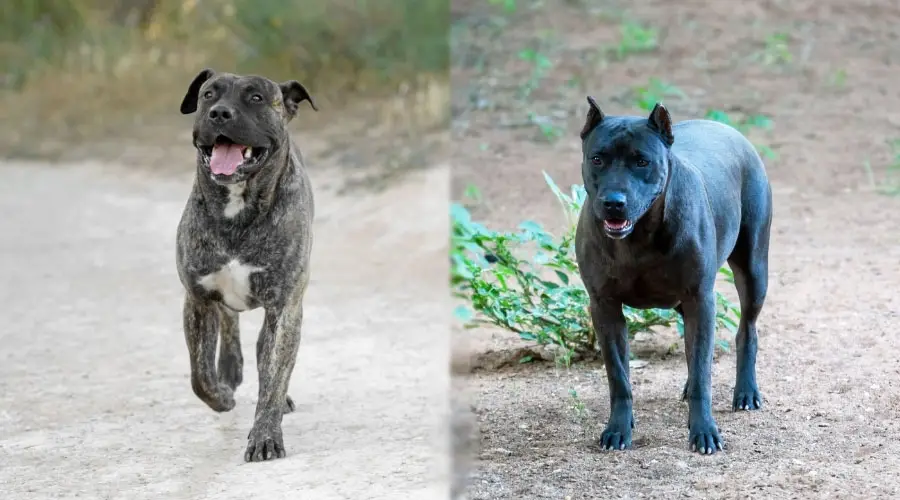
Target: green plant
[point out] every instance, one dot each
(549, 130)
(838, 79)
(541, 298)
(656, 90)
(777, 50)
(509, 6)
(578, 406)
(635, 39)
(472, 194)
(744, 126)
(893, 180)
(540, 65)
(890, 184)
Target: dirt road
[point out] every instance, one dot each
(95, 400)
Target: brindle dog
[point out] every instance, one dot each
(244, 242)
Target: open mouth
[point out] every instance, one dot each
(225, 156)
(617, 227)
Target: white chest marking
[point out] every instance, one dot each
(232, 281)
(235, 199)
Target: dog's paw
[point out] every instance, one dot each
(746, 397)
(225, 399)
(264, 443)
(617, 435)
(220, 398)
(289, 405)
(231, 371)
(703, 436)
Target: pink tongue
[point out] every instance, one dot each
(226, 158)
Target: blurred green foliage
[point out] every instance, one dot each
(379, 42)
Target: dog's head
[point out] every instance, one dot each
(241, 121)
(625, 165)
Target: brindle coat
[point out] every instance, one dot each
(244, 242)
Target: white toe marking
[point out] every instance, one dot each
(236, 201)
(232, 281)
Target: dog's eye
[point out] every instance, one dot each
(208, 94)
(596, 160)
(642, 162)
(256, 98)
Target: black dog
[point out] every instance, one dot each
(666, 207)
(244, 242)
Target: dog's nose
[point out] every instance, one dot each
(614, 201)
(221, 114)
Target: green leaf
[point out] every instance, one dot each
(459, 213)
(531, 226)
(723, 344)
(463, 313)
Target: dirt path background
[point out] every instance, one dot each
(95, 400)
(829, 363)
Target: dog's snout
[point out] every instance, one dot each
(221, 113)
(614, 202)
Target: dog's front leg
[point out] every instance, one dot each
(612, 335)
(231, 360)
(699, 331)
(201, 325)
(276, 353)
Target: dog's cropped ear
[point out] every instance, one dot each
(661, 122)
(294, 93)
(189, 103)
(594, 117)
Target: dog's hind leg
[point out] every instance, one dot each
(231, 359)
(749, 261)
(201, 324)
(276, 352)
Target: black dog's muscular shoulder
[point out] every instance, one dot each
(667, 205)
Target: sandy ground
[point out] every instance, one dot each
(829, 366)
(95, 400)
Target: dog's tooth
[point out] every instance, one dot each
(248, 153)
